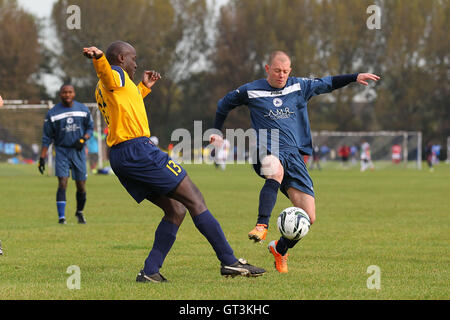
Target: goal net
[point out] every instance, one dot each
(21, 127)
(387, 148)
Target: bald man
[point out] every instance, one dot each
(278, 105)
(148, 173)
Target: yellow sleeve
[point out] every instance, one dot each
(143, 90)
(109, 78)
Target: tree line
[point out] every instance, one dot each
(203, 51)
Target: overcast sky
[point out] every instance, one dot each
(41, 8)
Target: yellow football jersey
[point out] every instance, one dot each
(121, 103)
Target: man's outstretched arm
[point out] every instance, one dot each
(102, 67)
(313, 87)
(362, 78)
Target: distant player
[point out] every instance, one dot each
(366, 157)
(279, 102)
(68, 126)
(315, 158)
(221, 155)
(92, 152)
(429, 155)
(353, 154)
(396, 151)
(344, 153)
(146, 172)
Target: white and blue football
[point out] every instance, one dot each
(293, 223)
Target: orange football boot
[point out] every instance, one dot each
(258, 233)
(280, 261)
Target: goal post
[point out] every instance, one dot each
(448, 151)
(381, 144)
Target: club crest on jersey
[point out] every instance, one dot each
(277, 102)
(69, 120)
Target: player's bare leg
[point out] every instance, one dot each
(174, 211)
(190, 196)
(303, 201)
(62, 182)
(272, 169)
(81, 185)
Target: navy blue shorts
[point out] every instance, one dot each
(296, 173)
(70, 160)
(144, 170)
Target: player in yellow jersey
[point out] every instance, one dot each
(144, 170)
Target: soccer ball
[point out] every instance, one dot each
(293, 223)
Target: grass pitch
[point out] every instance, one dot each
(395, 219)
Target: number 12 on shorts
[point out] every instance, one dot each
(172, 166)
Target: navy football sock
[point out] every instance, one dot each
(211, 229)
(61, 203)
(165, 236)
(283, 245)
(81, 201)
(267, 200)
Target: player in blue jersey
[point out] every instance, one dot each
(68, 125)
(278, 104)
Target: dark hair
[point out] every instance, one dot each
(66, 85)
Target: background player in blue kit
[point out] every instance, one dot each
(68, 126)
(279, 103)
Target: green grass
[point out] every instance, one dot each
(397, 219)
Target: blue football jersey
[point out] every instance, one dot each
(64, 126)
(281, 112)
